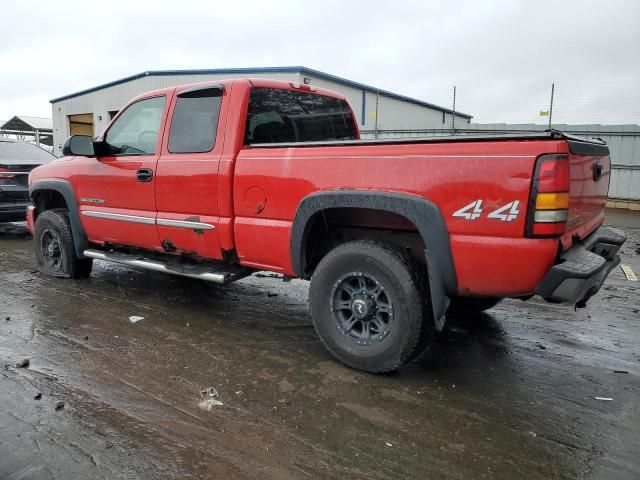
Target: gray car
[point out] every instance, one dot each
(17, 159)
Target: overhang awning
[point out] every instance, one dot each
(41, 129)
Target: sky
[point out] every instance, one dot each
(502, 56)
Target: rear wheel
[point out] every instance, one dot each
(54, 247)
(368, 305)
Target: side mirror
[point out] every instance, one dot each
(81, 145)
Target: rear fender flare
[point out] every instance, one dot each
(65, 189)
(424, 214)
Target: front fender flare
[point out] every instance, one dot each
(424, 214)
(65, 189)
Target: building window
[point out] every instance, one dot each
(443, 117)
(195, 121)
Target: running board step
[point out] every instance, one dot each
(201, 272)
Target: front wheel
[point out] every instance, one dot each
(54, 248)
(368, 305)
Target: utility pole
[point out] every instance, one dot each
(553, 86)
(453, 116)
(377, 101)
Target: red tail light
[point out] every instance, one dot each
(4, 173)
(549, 202)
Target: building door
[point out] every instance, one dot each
(81, 124)
(117, 189)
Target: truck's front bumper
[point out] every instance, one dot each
(13, 212)
(14, 200)
(583, 268)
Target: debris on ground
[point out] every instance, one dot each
(620, 371)
(24, 363)
(8, 318)
(59, 405)
(135, 318)
(210, 399)
(629, 273)
(388, 444)
(268, 275)
(210, 392)
(604, 399)
(37, 396)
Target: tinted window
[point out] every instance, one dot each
(135, 132)
(195, 121)
(276, 116)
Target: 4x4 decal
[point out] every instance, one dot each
(474, 210)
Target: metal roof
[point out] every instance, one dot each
(259, 70)
(24, 123)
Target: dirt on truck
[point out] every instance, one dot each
(219, 180)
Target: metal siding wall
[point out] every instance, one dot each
(393, 113)
(114, 98)
(397, 114)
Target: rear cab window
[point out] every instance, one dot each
(285, 116)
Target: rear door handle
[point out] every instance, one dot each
(144, 175)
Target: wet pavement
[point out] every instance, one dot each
(509, 394)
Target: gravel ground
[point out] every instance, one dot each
(509, 394)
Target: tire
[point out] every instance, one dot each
(54, 247)
(384, 327)
(472, 305)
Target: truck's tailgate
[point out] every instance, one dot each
(590, 171)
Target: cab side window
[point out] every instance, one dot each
(195, 121)
(284, 116)
(135, 131)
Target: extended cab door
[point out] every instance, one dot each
(117, 189)
(187, 173)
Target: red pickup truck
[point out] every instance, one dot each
(219, 180)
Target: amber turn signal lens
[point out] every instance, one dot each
(552, 201)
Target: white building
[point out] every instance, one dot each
(88, 112)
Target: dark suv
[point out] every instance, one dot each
(17, 159)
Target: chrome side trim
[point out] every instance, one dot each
(118, 216)
(165, 222)
(155, 266)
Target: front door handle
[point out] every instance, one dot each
(144, 175)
